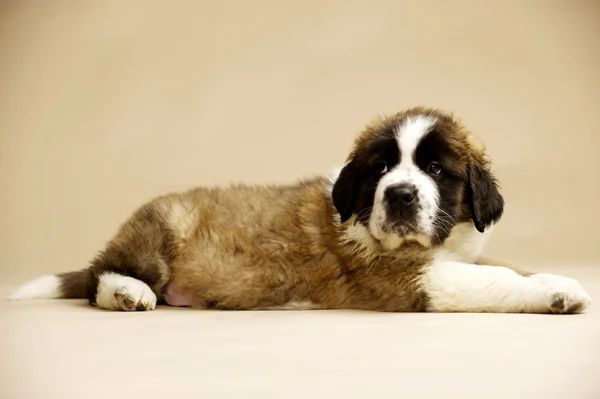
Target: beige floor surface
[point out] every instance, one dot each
(64, 349)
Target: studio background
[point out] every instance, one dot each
(106, 104)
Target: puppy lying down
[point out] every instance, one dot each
(400, 228)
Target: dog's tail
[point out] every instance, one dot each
(68, 285)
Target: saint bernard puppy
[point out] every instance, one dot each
(400, 228)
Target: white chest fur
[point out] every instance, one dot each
(465, 243)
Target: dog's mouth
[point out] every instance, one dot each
(403, 229)
(398, 233)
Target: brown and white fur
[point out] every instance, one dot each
(399, 228)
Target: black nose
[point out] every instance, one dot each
(403, 193)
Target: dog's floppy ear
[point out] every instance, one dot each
(345, 190)
(487, 204)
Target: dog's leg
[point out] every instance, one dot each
(131, 273)
(484, 261)
(462, 287)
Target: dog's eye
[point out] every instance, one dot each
(434, 168)
(380, 167)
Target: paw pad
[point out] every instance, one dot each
(129, 301)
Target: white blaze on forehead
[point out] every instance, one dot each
(409, 135)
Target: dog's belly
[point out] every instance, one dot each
(175, 297)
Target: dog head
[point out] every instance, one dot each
(414, 176)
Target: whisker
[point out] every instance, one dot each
(364, 212)
(444, 213)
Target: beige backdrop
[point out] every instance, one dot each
(105, 104)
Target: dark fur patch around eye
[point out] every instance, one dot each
(434, 147)
(354, 191)
(384, 149)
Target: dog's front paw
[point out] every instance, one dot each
(561, 294)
